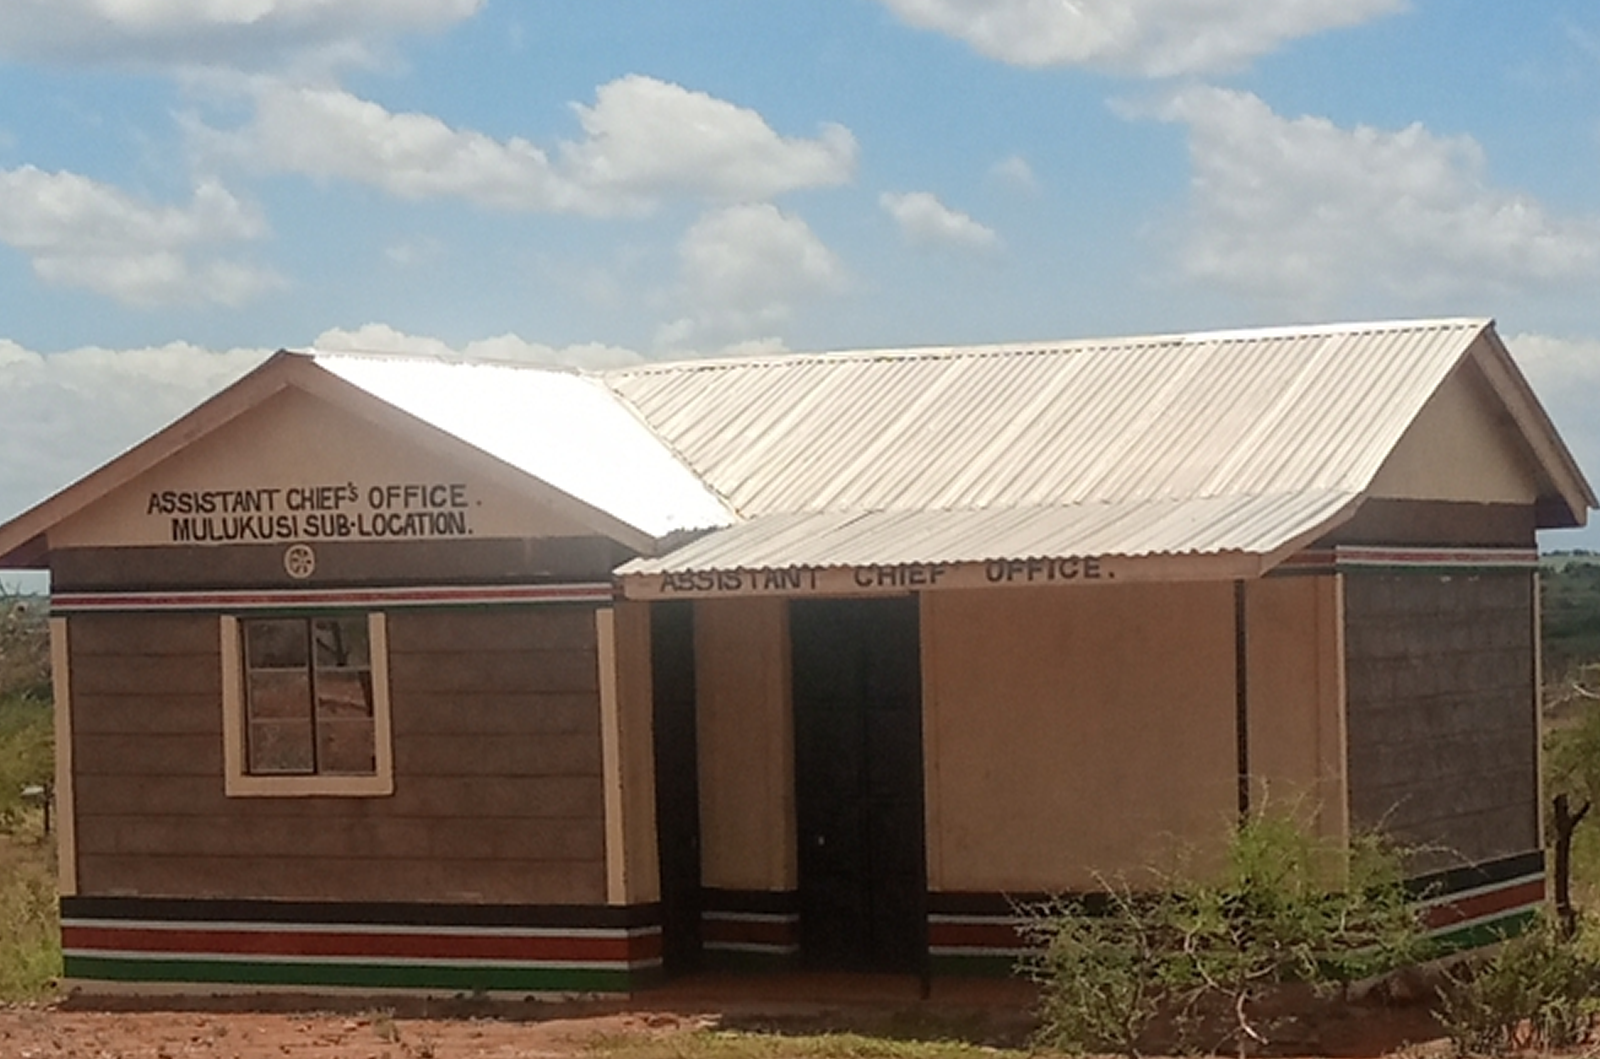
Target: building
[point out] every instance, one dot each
(384, 674)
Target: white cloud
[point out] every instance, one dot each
(1159, 38)
(1015, 172)
(328, 133)
(1304, 210)
(215, 34)
(63, 414)
(926, 222)
(743, 269)
(644, 139)
(81, 233)
(381, 338)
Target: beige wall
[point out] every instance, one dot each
(628, 754)
(1075, 731)
(1460, 448)
(1295, 680)
(295, 441)
(745, 729)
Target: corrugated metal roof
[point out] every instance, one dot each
(1245, 413)
(1249, 525)
(563, 428)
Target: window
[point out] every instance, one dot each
(306, 708)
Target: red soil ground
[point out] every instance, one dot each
(280, 1028)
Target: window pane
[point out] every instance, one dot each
(280, 746)
(343, 693)
(279, 693)
(345, 747)
(275, 644)
(341, 642)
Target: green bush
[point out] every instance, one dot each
(1184, 962)
(1539, 990)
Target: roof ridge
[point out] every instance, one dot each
(1046, 347)
(448, 360)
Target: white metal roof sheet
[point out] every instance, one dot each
(563, 428)
(1251, 525)
(1242, 413)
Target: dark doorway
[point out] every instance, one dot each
(677, 782)
(857, 683)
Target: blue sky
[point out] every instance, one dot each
(186, 185)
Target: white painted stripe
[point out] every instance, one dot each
(752, 946)
(751, 917)
(257, 927)
(976, 950)
(136, 955)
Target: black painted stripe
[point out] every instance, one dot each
(1472, 876)
(758, 902)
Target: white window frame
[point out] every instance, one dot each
(238, 782)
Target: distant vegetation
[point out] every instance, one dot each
(30, 952)
(1570, 591)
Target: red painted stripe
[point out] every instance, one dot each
(974, 935)
(1430, 556)
(418, 946)
(476, 594)
(1459, 911)
(1319, 558)
(750, 932)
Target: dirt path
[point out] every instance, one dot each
(33, 1033)
(994, 1016)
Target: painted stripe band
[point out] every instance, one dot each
(291, 599)
(359, 928)
(1363, 557)
(358, 960)
(91, 971)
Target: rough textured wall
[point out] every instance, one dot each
(1442, 714)
(498, 795)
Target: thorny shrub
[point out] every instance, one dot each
(1184, 961)
(1540, 990)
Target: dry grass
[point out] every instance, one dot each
(30, 929)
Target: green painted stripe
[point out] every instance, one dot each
(455, 979)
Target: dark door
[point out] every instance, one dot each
(677, 782)
(858, 783)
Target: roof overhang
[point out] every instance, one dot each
(894, 552)
(1569, 496)
(24, 540)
